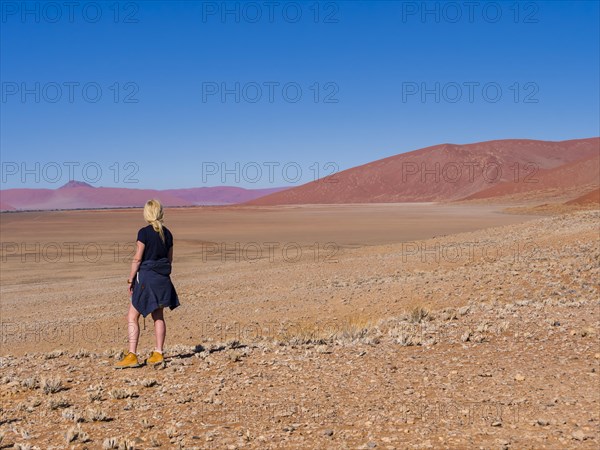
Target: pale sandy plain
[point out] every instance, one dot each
(232, 264)
(360, 339)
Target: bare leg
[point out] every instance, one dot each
(133, 328)
(160, 329)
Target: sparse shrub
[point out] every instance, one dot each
(118, 393)
(406, 334)
(54, 354)
(76, 433)
(110, 443)
(97, 415)
(235, 356)
(52, 385)
(30, 383)
(418, 314)
(185, 399)
(449, 314)
(482, 327)
(23, 447)
(73, 415)
(71, 434)
(95, 392)
(354, 329)
(81, 353)
(149, 382)
(126, 444)
(83, 436)
(114, 353)
(58, 403)
(120, 444)
(233, 343)
(95, 396)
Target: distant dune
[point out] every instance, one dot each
(592, 197)
(6, 207)
(80, 195)
(573, 179)
(450, 172)
(503, 170)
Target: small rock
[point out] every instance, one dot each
(504, 444)
(328, 432)
(519, 377)
(543, 422)
(464, 310)
(496, 424)
(579, 435)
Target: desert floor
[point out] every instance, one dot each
(342, 326)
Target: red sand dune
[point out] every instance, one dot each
(76, 194)
(587, 199)
(443, 172)
(6, 207)
(581, 175)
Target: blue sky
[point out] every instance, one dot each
(183, 90)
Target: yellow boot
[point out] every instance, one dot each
(155, 358)
(129, 360)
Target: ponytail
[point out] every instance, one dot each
(158, 227)
(153, 213)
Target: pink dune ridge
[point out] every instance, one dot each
(592, 197)
(6, 207)
(579, 176)
(450, 172)
(80, 195)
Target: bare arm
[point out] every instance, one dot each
(137, 259)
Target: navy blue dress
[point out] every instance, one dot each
(152, 286)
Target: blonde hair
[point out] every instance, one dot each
(153, 213)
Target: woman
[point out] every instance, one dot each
(150, 285)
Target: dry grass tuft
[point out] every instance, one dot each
(118, 443)
(73, 415)
(54, 354)
(110, 443)
(301, 333)
(23, 447)
(119, 393)
(97, 415)
(81, 353)
(31, 383)
(52, 385)
(62, 402)
(418, 314)
(149, 382)
(357, 329)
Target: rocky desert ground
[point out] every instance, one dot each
(434, 328)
